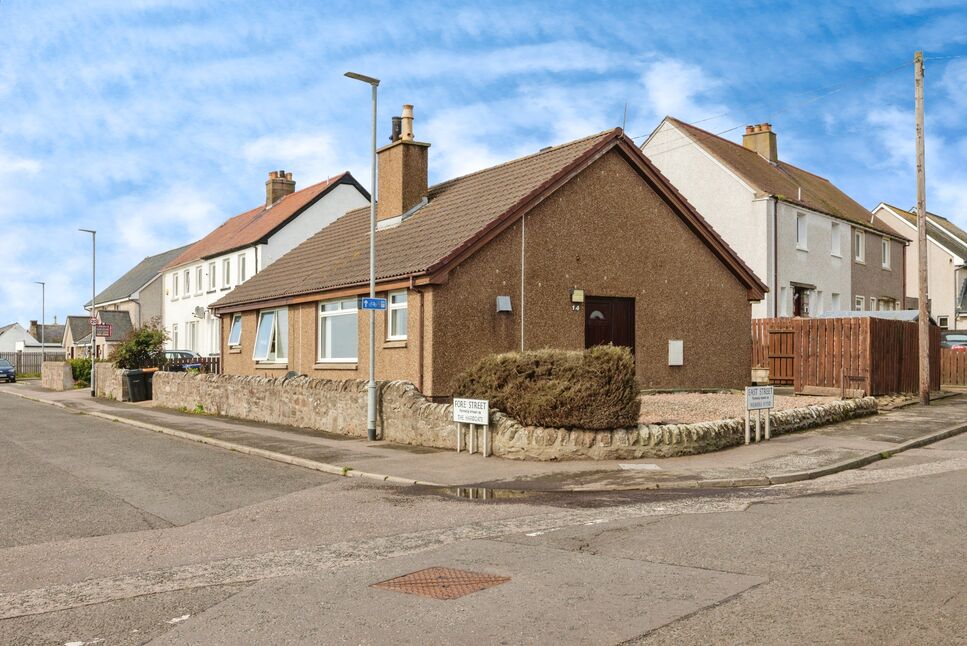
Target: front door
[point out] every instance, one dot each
(609, 320)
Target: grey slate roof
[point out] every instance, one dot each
(79, 326)
(137, 277)
(940, 236)
(120, 322)
(50, 333)
(6, 327)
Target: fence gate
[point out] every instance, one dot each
(782, 356)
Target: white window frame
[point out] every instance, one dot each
(874, 304)
(241, 269)
(191, 335)
(324, 329)
(271, 356)
(802, 232)
(212, 276)
(187, 282)
(226, 273)
(236, 318)
(175, 279)
(836, 240)
(885, 248)
(859, 303)
(174, 332)
(199, 279)
(943, 322)
(395, 307)
(859, 246)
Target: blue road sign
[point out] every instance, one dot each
(372, 303)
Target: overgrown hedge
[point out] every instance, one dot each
(81, 371)
(595, 389)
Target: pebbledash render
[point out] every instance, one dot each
(579, 244)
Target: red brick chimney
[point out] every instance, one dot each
(279, 184)
(402, 169)
(761, 139)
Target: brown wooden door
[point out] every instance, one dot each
(609, 320)
(782, 356)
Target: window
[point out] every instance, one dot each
(211, 276)
(943, 322)
(801, 231)
(836, 240)
(800, 301)
(174, 333)
(858, 303)
(338, 334)
(272, 337)
(834, 301)
(235, 335)
(396, 316)
(885, 246)
(226, 273)
(241, 269)
(174, 285)
(874, 304)
(187, 282)
(783, 304)
(818, 303)
(859, 251)
(191, 336)
(199, 279)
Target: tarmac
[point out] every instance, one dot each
(786, 458)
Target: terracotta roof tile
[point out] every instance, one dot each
(784, 180)
(252, 226)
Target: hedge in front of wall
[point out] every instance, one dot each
(595, 389)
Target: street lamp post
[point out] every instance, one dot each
(43, 319)
(371, 388)
(93, 294)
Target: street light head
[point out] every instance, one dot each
(363, 78)
(39, 282)
(88, 230)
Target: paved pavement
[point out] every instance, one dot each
(269, 553)
(785, 456)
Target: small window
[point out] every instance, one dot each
(874, 304)
(943, 322)
(859, 246)
(235, 334)
(834, 302)
(211, 276)
(174, 334)
(885, 246)
(272, 337)
(836, 240)
(227, 272)
(858, 303)
(199, 279)
(174, 286)
(801, 231)
(396, 317)
(187, 282)
(241, 269)
(338, 332)
(191, 335)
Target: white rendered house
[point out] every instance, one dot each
(241, 247)
(816, 248)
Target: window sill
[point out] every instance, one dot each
(859, 261)
(237, 350)
(266, 365)
(394, 343)
(836, 255)
(798, 248)
(336, 366)
(225, 289)
(887, 268)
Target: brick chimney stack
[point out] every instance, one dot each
(402, 169)
(761, 139)
(279, 184)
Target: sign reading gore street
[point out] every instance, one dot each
(471, 411)
(759, 397)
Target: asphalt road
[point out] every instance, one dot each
(115, 534)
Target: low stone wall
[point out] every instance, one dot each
(56, 375)
(406, 417)
(109, 382)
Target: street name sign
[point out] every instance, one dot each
(103, 329)
(372, 303)
(471, 411)
(759, 397)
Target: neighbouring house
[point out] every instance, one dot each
(244, 245)
(946, 258)
(580, 244)
(49, 336)
(15, 338)
(816, 247)
(140, 291)
(75, 329)
(121, 327)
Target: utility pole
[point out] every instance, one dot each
(43, 321)
(924, 315)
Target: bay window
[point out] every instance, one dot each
(338, 333)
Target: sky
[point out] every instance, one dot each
(152, 121)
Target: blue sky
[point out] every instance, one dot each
(154, 120)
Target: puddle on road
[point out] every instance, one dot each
(486, 493)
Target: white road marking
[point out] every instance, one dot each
(178, 620)
(640, 467)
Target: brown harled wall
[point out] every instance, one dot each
(869, 279)
(609, 233)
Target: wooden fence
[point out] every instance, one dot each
(773, 347)
(203, 364)
(953, 367)
(27, 363)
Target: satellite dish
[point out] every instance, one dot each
(199, 312)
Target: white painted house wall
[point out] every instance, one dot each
(17, 338)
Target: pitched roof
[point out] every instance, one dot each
(120, 321)
(79, 326)
(137, 277)
(261, 222)
(783, 180)
(458, 214)
(957, 245)
(50, 332)
(6, 327)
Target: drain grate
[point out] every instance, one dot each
(442, 583)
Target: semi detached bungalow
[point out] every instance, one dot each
(577, 245)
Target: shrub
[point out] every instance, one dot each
(595, 389)
(143, 347)
(81, 370)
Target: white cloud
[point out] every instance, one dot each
(679, 89)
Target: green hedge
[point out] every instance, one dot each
(595, 389)
(81, 370)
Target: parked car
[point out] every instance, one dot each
(7, 371)
(182, 359)
(955, 342)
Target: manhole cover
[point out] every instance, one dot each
(442, 583)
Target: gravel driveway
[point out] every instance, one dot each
(685, 408)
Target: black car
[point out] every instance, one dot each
(7, 371)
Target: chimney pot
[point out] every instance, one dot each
(761, 139)
(402, 169)
(396, 129)
(279, 184)
(749, 130)
(406, 132)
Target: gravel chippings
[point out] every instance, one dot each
(687, 408)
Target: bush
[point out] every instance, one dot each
(595, 389)
(143, 347)
(81, 370)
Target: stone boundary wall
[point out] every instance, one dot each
(56, 375)
(405, 416)
(109, 382)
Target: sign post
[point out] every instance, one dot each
(473, 413)
(758, 399)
